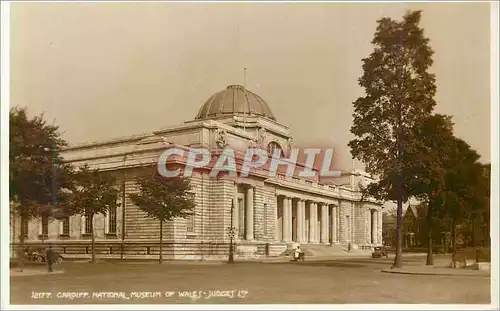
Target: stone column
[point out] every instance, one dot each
(301, 215)
(277, 234)
(287, 219)
(249, 214)
(333, 219)
(374, 226)
(236, 211)
(313, 222)
(324, 223)
(379, 226)
(82, 224)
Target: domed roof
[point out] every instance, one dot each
(232, 101)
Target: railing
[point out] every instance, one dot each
(84, 247)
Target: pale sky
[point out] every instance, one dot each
(107, 70)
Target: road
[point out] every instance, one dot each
(357, 281)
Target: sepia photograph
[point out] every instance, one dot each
(293, 155)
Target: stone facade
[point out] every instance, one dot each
(268, 213)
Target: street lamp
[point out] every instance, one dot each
(231, 232)
(54, 211)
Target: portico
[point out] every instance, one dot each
(306, 221)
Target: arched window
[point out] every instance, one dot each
(272, 146)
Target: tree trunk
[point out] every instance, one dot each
(399, 245)
(92, 237)
(430, 259)
(454, 242)
(20, 251)
(161, 241)
(474, 231)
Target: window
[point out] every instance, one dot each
(190, 220)
(45, 225)
(24, 227)
(272, 146)
(88, 223)
(65, 226)
(112, 220)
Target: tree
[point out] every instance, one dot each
(37, 176)
(95, 192)
(163, 198)
(463, 175)
(399, 94)
(427, 167)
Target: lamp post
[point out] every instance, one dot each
(54, 211)
(231, 232)
(124, 195)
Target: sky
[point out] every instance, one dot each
(108, 70)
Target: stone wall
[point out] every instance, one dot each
(259, 220)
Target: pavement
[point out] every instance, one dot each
(437, 270)
(32, 271)
(336, 256)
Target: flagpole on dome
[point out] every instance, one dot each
(244, 99)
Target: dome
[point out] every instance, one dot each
(231, 101)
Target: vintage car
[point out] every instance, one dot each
(379, 252)
(39, 255)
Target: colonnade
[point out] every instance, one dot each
(308, 222)
(304, 221)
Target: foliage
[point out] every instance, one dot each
(463, 178)
(37, 176)
(163, 198)
(399, 94)
(95, 192)
(429, 161)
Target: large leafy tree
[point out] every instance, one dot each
(479, 212)
(429, 159)
(37, 176)
(464, 173)
(482, 212)
(399, 94)
(95, 192)
(163, 198)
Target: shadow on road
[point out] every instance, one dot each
(326, 263)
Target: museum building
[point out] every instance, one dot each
(268, 213)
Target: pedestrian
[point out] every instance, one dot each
(296, 254)
(50, 256)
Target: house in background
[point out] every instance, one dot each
(414, 233)
(413, 229)
(389, 228)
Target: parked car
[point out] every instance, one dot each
(379, 252)
(39, 255)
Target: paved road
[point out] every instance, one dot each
(337, 281)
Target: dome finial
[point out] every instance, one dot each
(244, 98)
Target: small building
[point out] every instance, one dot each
(414, 234)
